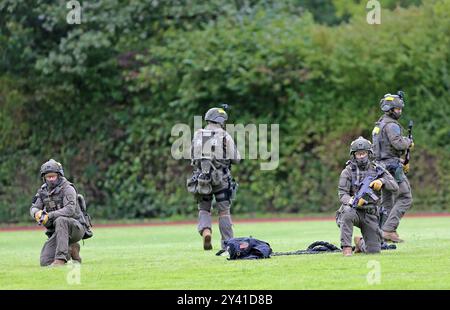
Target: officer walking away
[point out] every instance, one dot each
(363, 213)
(56, 206)
(389, 146)
(213, 151)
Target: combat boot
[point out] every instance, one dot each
(58, 263)
(357, 244)
(391, 236)
(206, 234)
(75, 252)
(347, 251)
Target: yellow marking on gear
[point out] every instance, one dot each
(389, 98)
(376, 130)
(221, 111)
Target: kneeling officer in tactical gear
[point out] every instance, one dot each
(212, 152)
(56, 206)
(359, 189)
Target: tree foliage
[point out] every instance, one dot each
(103, 96)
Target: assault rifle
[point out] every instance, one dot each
(401, 94)
(365, 189)
(408, 151)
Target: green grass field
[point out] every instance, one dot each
(171, 257)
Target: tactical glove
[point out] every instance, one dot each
(41, 219)
(406, 168)
(361, 202)
(376, 184)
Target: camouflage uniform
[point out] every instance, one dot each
(367, 216)
(389, 146)
(225, 154)
(65, 225)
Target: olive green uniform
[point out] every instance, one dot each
(222, 190)
(366, 217)
(65, 221)
(389, 146)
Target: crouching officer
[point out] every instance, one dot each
(213, 151)
(389, 146)
(56, 207)
(363, 213)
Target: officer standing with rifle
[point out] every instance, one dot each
(389, 146)
(359, 189)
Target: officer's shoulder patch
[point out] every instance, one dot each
(394, 127)
(70, 199)
(376, 130)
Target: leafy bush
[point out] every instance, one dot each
(103, 96)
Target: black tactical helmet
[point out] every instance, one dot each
(389, 102)
(216, 115)
(52, 166)
(361, 144)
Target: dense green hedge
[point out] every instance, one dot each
(102, 97)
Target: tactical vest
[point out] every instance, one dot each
(52, 200)
(210, 146)
(382, 148)
(358, 176)
(209, 160)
